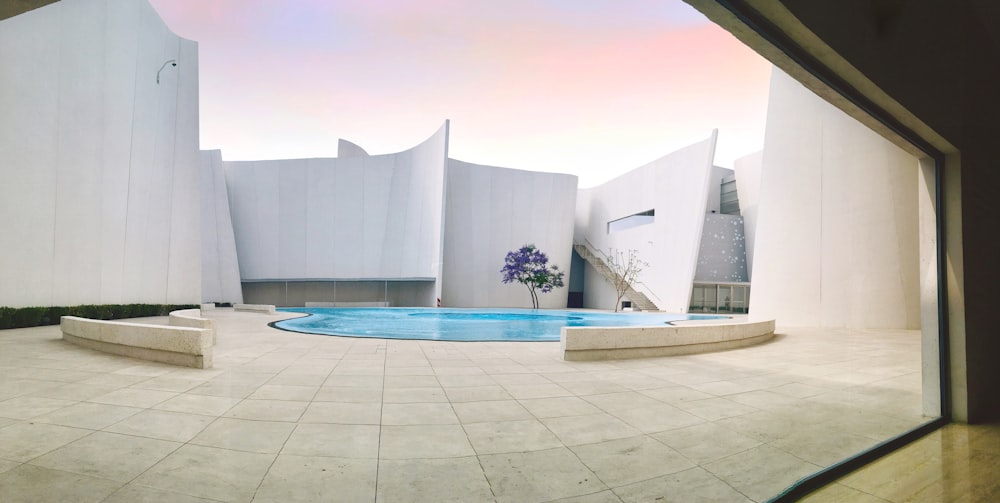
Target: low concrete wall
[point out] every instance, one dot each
(610, 343)
(184, 346)
(255, 308)
(348, 304)
(191, 318)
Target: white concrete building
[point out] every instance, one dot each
(381, 228)
(341, 229)
(104, 203)
(657, 209)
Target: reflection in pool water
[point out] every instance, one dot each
(463, 324)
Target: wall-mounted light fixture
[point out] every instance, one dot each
(171, 62)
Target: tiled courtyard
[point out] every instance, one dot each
(294, 417)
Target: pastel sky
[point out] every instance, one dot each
(589, 87)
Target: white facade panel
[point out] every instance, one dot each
(293, 218)
(360, 217)
(676, 187)
(392, 252)
(267, 213)
(378, 176)
(184, 261)
(319, 227)
(100, 191)
(29, 122)
(346, 219)
(76, 256)
(836, 241)
(120, 57)
(491, 211)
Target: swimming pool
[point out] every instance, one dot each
(447, 324)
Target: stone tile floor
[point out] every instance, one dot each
(295, 417)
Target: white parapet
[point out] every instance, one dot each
(184, 346)
(611, 343)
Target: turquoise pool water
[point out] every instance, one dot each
(445, 324)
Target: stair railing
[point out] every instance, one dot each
(600, 255)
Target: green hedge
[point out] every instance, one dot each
(20, 317)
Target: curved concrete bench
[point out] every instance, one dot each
(191, 318)
(377, 303)
(610, 343)
(255, 308)
(185, 346)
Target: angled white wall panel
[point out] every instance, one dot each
(786, 276)
(836, 239)
(430, 163)
(676, 187)
(211, 260)
(239, 181)
(219, 263)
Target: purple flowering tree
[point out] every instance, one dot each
(530, 267)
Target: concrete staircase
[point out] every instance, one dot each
(599, 262)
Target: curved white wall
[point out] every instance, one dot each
(100, 183)
(677, 187)
(491, 211)
(220, 266)
(360, 217)
(836, 238)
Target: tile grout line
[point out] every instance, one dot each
(381, 410)
(283, 444)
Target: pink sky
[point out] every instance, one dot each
(589, 87)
